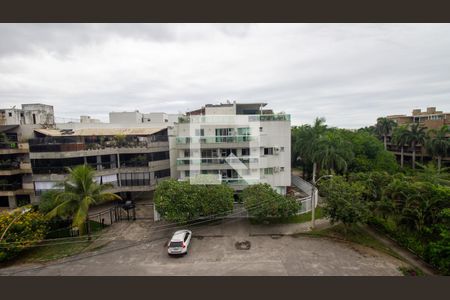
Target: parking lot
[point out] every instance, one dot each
(213, 252)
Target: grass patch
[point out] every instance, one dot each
(355, 235)
(291, 220)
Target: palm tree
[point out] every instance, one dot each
(306, 142)
(332, 153)
(383, 128)
(415, 136)
(400, 138)
(429, 173)
(438, 143)
(80, 192)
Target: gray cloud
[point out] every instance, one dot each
(349, 73)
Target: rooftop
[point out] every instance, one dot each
(99, 131)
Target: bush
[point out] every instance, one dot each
(262, 202)
(344, 202)
(180, 201)
(27, 230)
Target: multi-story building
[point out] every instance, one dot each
(429, 119)
(132, 160)
(16, 127)
(236, 143)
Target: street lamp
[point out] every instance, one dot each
(313, 199)
(25, 210)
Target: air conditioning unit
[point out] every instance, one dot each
(276, 169)
(276, 150)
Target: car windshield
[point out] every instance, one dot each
(175, 244)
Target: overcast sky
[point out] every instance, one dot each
(348, 73)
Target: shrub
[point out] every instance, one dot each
(180, 201)
(27, 230)
(262, 202)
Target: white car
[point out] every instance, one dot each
(180, 242)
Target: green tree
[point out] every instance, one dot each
(430, 173)
(333, 152)
(383, 128)
(180, 201)
(27, 230)
(438, 143)
(400, 138)
(262, 203)
(80, 191)
(344, 202)
(415, 136)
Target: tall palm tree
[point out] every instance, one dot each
(438, 143)
(306, 142)
(80, 192)
(415, 136)
(383, 128)
(400, 138)
(332, 153)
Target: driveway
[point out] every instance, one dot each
(140, 249)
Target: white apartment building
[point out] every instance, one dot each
(236, 143)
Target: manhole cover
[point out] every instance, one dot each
(243, 245)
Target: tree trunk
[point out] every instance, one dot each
(314, 173)
(401, 158)
(385, 142)
(439, 163)
(414, 156)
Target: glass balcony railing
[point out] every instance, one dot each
(215, 139)
(231, 118)
(220, 161)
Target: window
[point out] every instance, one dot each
(200, 132)
(260, 129)
(281, 149)
(186, 236)
(224, 131)
(10, 114)
(244, 131)
(268, 171)
(162, 173)
(268, 151)
(245, 151)
(281, 169)
(186, 174)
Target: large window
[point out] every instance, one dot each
(162, 173)
(135, 179)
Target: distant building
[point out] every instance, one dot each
(136, 117)
(16, 127)
(429, 119)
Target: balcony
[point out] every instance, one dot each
(13, 147)
(215, 139)
(227, 119)
(216, 160)
(13, 167)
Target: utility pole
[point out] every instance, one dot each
(314, 195)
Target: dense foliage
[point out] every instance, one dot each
(412, 208)
(338, 151)
(180, 201)
(26, 230)
(262, 202)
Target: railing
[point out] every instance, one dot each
(219, 161)
(232, 118)
(10, 145)
(10, 165)
(10, 186)
(64, 169)
(215, 139)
